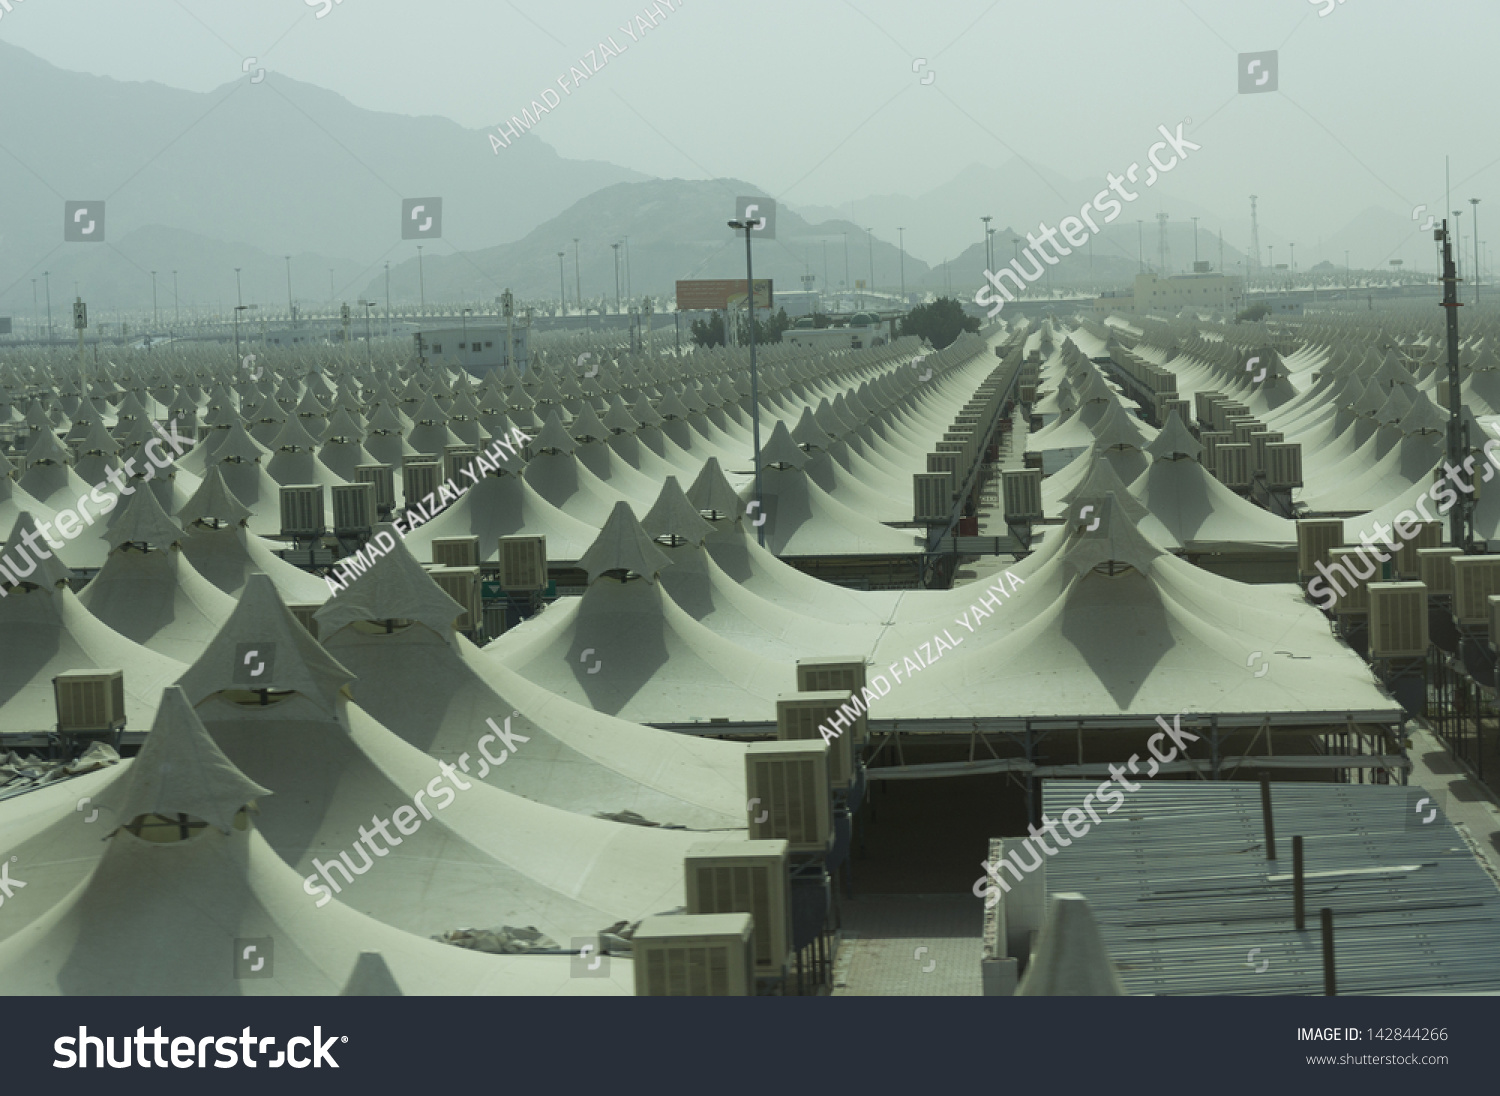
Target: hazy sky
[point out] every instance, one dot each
(821, 102)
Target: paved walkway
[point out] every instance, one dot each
(910, 945)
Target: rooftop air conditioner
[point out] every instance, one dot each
(384, 482)
(1022, 492)
(1355, 601)
(1245, 429)
(1283, 464)
(1203, 406)
(1211, 440)
(1170, 404)
(746, 877)
(1435, 569)
(799, 717)
(933, 492)
(1398, 619)
(419, 479)
(455, 459)
(456, 551)
(703, 955)
(305, 617)
(302, 510)
(1258, 442)
(1494, 619)
(353, 508)
(1426, 534)
(789, 799)
(523, 563)
(462, 585)
(89, 700)
(943, 462)
(1475, 578)
(1314, 538)
(1232, 465)
(817, 674)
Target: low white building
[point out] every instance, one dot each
(477, 347)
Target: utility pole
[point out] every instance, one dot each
(748, 226)
(1475, 275)
(616, 249)
(902, 231)
(1461, 517)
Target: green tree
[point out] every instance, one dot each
(709, 332)
(939, 323)
(1257, 312)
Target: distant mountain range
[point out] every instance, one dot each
(252, 172)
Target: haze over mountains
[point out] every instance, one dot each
(242, 176)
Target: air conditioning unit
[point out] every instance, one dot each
(1168, 405)
(89, 700)
(746, 877)
(1258, 442)
(384, 481)
(1314, 538)
(302, 510)
(1354, 602)
(462, 585)
(353, 508)
(1021, 490)
(1203, 406)
(523, 563)
(1475, 578)
(934, 496)
(943, 462)
(1283, 465)
(418, 480)
(305, 617)
(455, 459)
(789, 799)
(819, 674)
(1211, 440)
(1435, 569)
(456, 551)
(1398, 619)
(1232, 465)
(1429, 534)
(1028, 393)
(798, 717)
(703, 955)
(1494, 620)
(1245, 429)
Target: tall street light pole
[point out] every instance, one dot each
(289, 305)
(238, 298)
(748, 226)
(176, 314)
(562, 284)
(902, 232)
(154, 320)
(872, 257)
(1475, 203)
(616, 249)
(421, 282)
(989, 259)
(577, 277)
(388, 300)
(47, 285)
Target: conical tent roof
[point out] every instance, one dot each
(213, 501)
(371, 978)
(395, 588)
(622, 545)
(1107, 534)
(1070, 959)
(143, 521)
(46, 573)
(1174, 441)
(711, 490)
(180, 771)
(1102, 479)
(673, 515)
(262, 646)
